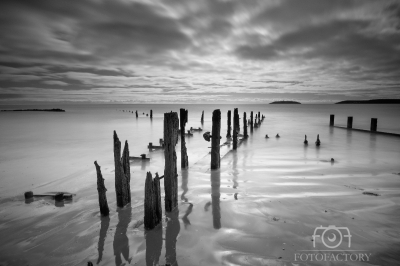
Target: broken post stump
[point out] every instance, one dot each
(152, 202)
(152, 147)
(332, 120)
(244, 126)
(151, 113)
(122, 173)
(235, 129)
(374, 124)
(202, 117)
(350, 122)
(171, 122)
(228, 133)
(101, 189)
(183, 120)
(215, 139)
(251, 122)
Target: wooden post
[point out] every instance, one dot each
(332, 120)
(202, 117)
(251, 122)
(171, 122)
(122, 173)
(259, 121)
(136, 114)
(374, 124)
(215, 139)
(235, 129)
(228, 133)
(101, 189)
(151, 113)
(183, 121)
(245, 126)
(152, 202)
(237, 122)
(350, 122)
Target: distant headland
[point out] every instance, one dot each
(285, 102)
(377, 101)
(35, 110)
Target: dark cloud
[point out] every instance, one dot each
(5, 96)
(339, 40)
(295, 13)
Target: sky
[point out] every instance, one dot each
(199, 51)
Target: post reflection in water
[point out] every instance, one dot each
(105, 223)
(185, 218)
(121, 242)
(144, 164)
(154, 242)
(215, 197)
(172, 231)
(235, 171)
(184, 186)
(372, 146)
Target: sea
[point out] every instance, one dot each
(261, 208)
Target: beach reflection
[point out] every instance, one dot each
(121, 242)
(154, 243)
(105, 223)
(172, 231)
(215, 197)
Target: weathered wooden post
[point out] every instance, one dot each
(332, 120)
(259, 118)
(202, 117)
(122, 173)
(251, 122)
(235, 129)
(228, 133)
(374, 124)
(151, 113)
(152, 202)
(136, 114)
(350, 122)
(215, 139)
(245, 126)
(171, 122)
(183, 120)
(101, 189)
(237, 122)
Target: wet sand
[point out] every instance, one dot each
(260, 208)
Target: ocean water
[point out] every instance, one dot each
(260, 208)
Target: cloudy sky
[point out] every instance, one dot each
(199, 51)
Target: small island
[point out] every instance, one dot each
(376, 101)
(35, 110)
(285, 102)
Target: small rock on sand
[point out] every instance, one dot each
(370, 193)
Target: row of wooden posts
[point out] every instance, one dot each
(374, 122)
(152, 201)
